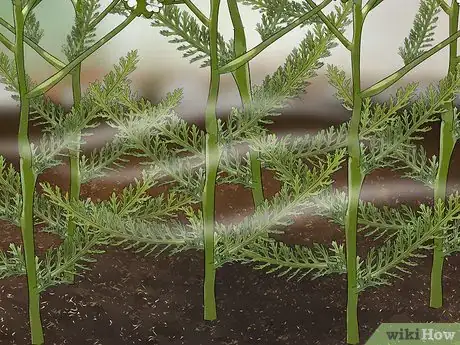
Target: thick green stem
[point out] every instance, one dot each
(447, 144)
(74, 159)
(355, 179)
(242, 78)
(28, 181)
(212, 163)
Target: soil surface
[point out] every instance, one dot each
(130, 299)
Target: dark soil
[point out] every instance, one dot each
(130, 299)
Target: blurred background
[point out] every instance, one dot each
(162, 67)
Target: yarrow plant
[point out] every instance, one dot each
(191, 161)
(80, 45)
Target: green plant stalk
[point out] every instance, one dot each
(212, 163)
(74, 160)
(28, 180)
(196, 11)
(242, 78)
(355, 179)
(447, 144)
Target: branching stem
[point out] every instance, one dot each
(48, 57)
(251, 54)
(104, 13)
(197, 12)
(446, 8)
(447, 144)
(346, 43)
(385, 83)
(242, 78)
(57, 77)
(28, 180)
(370, 6)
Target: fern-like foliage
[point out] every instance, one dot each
(288, 82)
(8, 75)
(422, 32)
(417, 166)
(193, 38)
(71, 257)
(117, 219)
(278, 212)
(383, 147)
(277, 14)
(456, 130)
(376, 221)
(451, 243)
(32, 29)
(10, 198)
(50, 216)
(103, 160)
(83, 32)
(395, 255)
(12, 263)
(342, 83)
(295, 261)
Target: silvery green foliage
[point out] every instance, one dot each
(83, 32)
(421, 35)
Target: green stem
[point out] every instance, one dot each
(447, 144)
(196, 11)
(443, 4)
(30, 6)
(212, 163)
(48, 57)
(7, 43)
(370, 6)
(346, 43)
(251, 54)
(104, 13)
(242, 78)
(386, 82)
(57, 77)
(28, 181)
(74, 159)
(355, 179)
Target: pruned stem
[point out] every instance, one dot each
(242, 78)
(28, 180)
(212, 163)
(447, 144)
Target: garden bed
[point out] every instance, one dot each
(129, 299)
